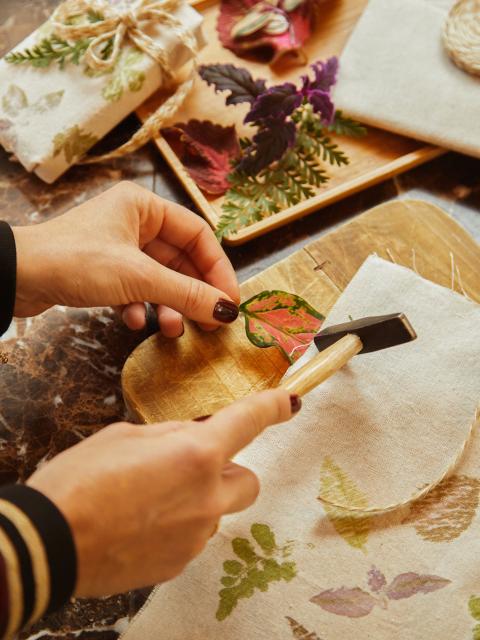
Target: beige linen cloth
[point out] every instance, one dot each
(396, 74)
(378, 431)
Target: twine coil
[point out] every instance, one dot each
(120, 25)
(461, 35)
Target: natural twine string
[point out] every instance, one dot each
(377, 511)
(461, 35)
(118, 25)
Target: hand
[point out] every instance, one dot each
(122, 248)
(142, 501)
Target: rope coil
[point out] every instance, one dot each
(461, 35)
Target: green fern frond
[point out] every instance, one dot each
(344, 126)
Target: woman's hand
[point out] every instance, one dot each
(142, 501)
(122, 248)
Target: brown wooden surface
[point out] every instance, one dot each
(164, 379)
(377, 157)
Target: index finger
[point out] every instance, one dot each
(181, 228)
(235, 426)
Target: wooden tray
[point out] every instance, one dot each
(196, 375)
(377, 157)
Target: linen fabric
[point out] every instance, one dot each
(396, 74)
(376, 432)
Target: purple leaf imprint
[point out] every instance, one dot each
(354, 603)
(376, 579)
(406, 585)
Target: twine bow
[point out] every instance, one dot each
(108, 34)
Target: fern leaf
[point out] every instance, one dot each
(344, 126)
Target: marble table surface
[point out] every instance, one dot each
(62, 379)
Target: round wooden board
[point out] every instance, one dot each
(199, 373)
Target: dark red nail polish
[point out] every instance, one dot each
(225, 311)
(202, 418)
(295, 402)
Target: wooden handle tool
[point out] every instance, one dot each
(338, 344)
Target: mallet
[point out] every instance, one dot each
(338, 344)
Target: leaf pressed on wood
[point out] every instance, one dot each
(206, 150)
(227, 77)
(408, 584)
(299, 631)
(336, 486)
(446, 511)
(283, 320)
(353, 603)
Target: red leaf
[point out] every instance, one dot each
(406, 585)
(261, 44)
(206, 151)
(283, 320)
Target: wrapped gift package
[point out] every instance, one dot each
(49, 117)
(396, 74)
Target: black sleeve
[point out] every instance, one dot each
(8, 275)
(38, 556)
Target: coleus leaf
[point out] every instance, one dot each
(206, 150)
(268, 145)
(408, 584)
(227, 77)
(283, 320)
(277, 102)
(284, 33)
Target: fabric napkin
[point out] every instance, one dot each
(376, 432)
(396, 74)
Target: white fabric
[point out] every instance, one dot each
(377, 431)
(396, 74)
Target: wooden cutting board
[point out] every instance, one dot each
(180, 379)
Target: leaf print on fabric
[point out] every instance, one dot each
(125, 76)
(14, 100)
(447, 511)
(283, 320)
(376, 579)
(74, 143)
(253, 570)
(336, 486)
(355, 602)
(474, 608)
(48, 101)
(408, 584)
(299, 631)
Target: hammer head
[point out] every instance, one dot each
(376, 333)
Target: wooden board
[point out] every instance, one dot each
(196, 375)
(377, 157)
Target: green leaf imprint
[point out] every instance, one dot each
(14, 100)
(124, 76)
(336, 486)
(446, 511)
(48, 101)
(74, 143)
(474, 608)
(254, 571)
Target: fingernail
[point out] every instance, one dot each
(225, 311)
(202, 418)
(295, 402)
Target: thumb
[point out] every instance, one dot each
(193, 298)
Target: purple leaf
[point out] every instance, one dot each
(325, 75)
(406, 585)
(354, 603)
(277, 102)
(268, 145)
(322, 103)
(227, 77)
(376, 579)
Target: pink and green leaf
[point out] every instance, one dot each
(283, 320)
(353, 603)
(408, 584)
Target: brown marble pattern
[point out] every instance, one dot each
(62, 379)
